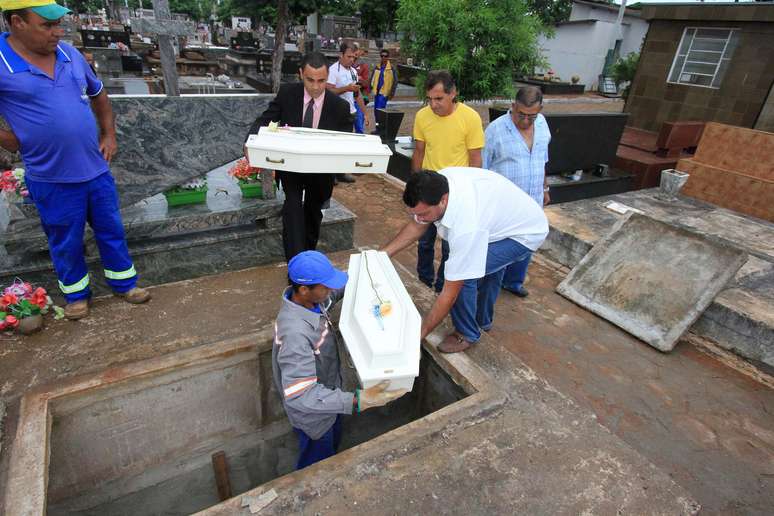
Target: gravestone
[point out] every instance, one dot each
(165, 28)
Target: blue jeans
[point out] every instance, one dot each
(474, 309)
(315, 450)
(515, 274)
(426, 257)
(359, 119)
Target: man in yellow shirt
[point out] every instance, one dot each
(447, 133)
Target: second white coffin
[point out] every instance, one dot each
(316, 151)
(384, 346)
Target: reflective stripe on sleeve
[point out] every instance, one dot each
(299, 386)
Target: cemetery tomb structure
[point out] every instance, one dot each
(380, 323)
(317, 151)
(140, 438)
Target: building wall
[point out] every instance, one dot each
(580, 48)
(739, 99)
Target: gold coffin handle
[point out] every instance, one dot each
(364, 165)
(280, 161)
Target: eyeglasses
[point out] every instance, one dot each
(524, 116)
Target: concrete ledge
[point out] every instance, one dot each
(739, 318)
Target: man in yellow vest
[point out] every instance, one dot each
(384, 81)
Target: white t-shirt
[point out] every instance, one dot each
(340, 76)
(485, 207)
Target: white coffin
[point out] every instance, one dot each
(316, 151)
(384, 348)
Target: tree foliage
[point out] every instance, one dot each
(377, 16)
(481, 42)
(624, 69)
(551, 12)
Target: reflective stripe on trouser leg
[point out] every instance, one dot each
(105, 220)
(74, 287)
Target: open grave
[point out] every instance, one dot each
(140, 439)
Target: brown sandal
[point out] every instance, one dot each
(453, 343)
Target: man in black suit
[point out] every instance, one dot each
(305, 104)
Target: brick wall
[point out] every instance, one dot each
(738, 101)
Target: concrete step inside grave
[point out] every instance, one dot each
(175, 243)
(741, 317)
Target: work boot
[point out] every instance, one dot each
(518, 292)
(136, 296)
(76, 310)
(346, 178)
(453, 343)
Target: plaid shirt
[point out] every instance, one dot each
(506, 153)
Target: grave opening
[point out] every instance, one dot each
(145, 444)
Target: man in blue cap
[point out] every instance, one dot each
(47, 94)
(305, 359)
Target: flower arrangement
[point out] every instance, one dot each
(194, 185)
(22, 300)
(13, 181)
(244, 173)
(192, 192)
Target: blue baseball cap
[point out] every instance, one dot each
(312, 268)
(50, 12)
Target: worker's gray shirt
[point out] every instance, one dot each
(305, 361)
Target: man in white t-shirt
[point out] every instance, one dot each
(342, 80)
(490, 223)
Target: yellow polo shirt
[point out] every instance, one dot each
(448, 138)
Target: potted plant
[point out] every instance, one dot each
(192, 192)
(248, 178)
(575, 79)
(12, 182)
(22, 307)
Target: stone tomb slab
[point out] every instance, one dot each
(166, 141)
(652, 279)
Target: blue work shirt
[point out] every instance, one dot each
(506, 153)
(52, 118)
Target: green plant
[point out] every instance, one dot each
(623, 71)
(483, 43)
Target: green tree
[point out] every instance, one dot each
(377, 16)
(481, 42)
(551, 12)
(623, 71)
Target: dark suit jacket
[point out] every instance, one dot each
(287, 109)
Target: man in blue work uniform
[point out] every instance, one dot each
(47, 93)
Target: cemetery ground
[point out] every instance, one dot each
(593, 420)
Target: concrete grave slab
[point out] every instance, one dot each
(652, 279)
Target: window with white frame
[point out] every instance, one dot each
(703, 56)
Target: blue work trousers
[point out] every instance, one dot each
(474, 309)
(315, 450)
(426, 259)
(64, 209)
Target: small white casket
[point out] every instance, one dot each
(316, 151)
(380, 323)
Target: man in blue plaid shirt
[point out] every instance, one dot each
(517, 148)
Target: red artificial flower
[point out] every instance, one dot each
(12, 321)
(38, 297)
(8, 299)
